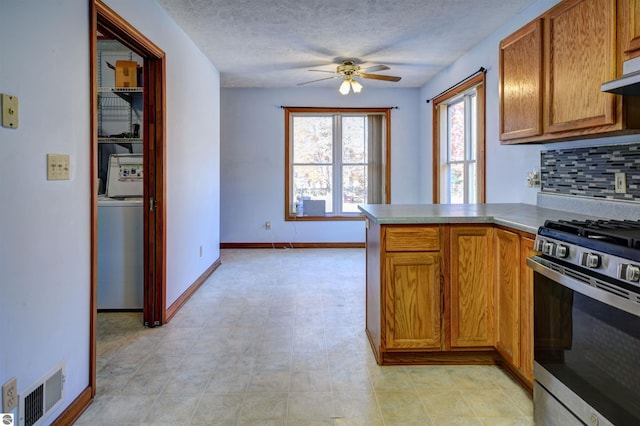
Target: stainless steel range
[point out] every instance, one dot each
(587, 323)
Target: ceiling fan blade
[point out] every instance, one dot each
(376, 68)
(381, 77)
(331, 72)
(313, 81)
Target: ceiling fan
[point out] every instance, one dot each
(349, 71)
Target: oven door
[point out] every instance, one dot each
(586, 346)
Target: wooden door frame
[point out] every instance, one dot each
(154, 149)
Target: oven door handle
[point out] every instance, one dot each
(589, 289)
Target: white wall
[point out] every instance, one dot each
(45, 225)
(253, 170)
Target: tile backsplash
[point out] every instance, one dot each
(590, 171)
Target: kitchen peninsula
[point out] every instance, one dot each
(448, 284)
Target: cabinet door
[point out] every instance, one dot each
(471, 301)
(508, 295)
(630, 28)
(580, 54)
(526, 309)
(413, 301)
(521, 83)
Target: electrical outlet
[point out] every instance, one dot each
(267, 226)
(10, 395)
(621, 183)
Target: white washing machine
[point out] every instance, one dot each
(120, 254)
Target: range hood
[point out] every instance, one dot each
(629, 83)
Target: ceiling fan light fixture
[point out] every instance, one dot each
(356, 86)
(345, 87)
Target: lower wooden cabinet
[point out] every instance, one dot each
(526, 308)
(514, 301)
(450, 294)
(471, 286)
(413, 308)
(507, 284)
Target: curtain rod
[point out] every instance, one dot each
(338, 108)
(482, 69)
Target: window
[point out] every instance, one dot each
(458, 117)
(335, 159)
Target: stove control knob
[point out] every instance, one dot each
(539, 244)
(632, 273)
(547, 248)
(590, 260)
(562, 251)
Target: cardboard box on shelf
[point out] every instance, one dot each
(126, 74)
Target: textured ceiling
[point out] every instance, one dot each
(261, 43)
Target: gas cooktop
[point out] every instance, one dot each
(618, 232)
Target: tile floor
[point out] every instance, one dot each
(276, 337)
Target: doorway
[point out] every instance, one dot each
(106, 22)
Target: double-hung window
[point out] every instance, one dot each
(335, 160)
(458, 118)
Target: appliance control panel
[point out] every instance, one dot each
(606, 264)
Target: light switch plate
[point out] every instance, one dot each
(9, 111)
(57, 167)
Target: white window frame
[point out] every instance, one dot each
(337, 164)
(474, 141)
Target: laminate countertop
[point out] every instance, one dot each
(524, 217)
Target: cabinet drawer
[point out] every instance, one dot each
(412, 238)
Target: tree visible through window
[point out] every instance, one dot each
(336, 159)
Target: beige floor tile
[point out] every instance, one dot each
(91, 415)
(390, 379)
(310, 407)
(471, 377)
(276, 337)
(270, 381)
(127, 409)
(401, 407)
(310, 381)
(350, 379)
(187, 381)
(145, 384)
(507, 421)
(309, 361)
(111, 383)
(228, 381)
(172, 409)
(269, 406)
(218, 410)
(357, 408)
(431, 377)
(456, 421)
(273, 361)
(445, 403)
(491, 403)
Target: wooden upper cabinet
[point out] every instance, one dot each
(630, 28)
(583, 44)
(521, 83)
(508, 295)
(580, 56)
(413, 301)
(470, 280)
